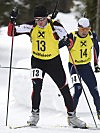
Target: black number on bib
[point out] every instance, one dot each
(41, 45)
(74, 79)
(35, 73)
(83, 53)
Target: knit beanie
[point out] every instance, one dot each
(40, 11)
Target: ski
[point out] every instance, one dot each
(22, 126)
(87, 127)
(93, 128)
(55, 126)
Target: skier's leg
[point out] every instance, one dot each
(58, 75)
(92, 85)
(36, 94)
(37, 81)
(76, 84)
(56, 72)
(72, 119)
(76, 95)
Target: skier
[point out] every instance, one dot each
(82, 42)
(45, 35)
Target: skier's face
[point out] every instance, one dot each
(83, 32)
(41, 21)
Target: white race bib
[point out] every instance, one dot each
(36, 73)
(75, 78)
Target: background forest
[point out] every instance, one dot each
(91, 8)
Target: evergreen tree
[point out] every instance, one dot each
(5, 6)
(26, 8)
(91, 11)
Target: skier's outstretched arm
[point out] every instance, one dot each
(18, 29)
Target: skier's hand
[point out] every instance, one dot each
(68, 42)
(54, 14)
(97, 68)
(13, 15)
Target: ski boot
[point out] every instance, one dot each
(74, 121)
(34, 118)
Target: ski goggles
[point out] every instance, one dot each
(40, 19)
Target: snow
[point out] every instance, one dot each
(53, 116)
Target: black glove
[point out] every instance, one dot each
(64, 42)
(97, 68)
(67, 41)
(13, 15)
(54, 14)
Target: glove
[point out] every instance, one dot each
(13, 15)
(68, 42)
(54, 14)
(97, 68)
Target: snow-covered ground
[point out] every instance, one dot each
(53, 116)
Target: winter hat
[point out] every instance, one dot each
(83, 22)
(40, 11)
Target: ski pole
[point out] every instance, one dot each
(13, 15)
(5, 67)
(10, 73)
(55, 12)
(82, 87)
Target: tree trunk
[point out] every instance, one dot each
(98, 19)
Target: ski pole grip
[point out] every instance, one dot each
(13, 15)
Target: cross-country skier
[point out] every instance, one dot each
(82, 42)
(45, 35)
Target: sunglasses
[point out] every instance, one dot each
(86, 29)
(40, 19)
